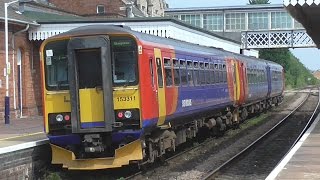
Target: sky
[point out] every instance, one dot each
(310, 57)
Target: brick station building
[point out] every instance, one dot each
(24, 77)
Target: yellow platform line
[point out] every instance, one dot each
(14, 137)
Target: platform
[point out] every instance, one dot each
(21, 134)
(303, 160)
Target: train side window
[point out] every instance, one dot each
(202, 74)
(207, 71)
(159, 72)
(211, 66)
(216, 76)
(167, 62)
(151, 71)
(176, 72)
(224, 76)
(196, 73)
(168, 72)
(221, 77)
(190, 73)
(183, 73)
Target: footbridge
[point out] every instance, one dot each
(256, 26)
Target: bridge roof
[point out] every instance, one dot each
(307, 12)
(221, 8)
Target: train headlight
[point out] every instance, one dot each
(59, 118)
(128, 114)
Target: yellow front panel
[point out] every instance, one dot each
(91, 105)
(126, 98)
(56, 102)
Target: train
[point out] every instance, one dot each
(114, 97)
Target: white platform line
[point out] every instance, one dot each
(23, 146)
(287, 158)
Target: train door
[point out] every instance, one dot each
(236, 81)
(269, 80)
(243, 83)
(160, 89)
(90, 78)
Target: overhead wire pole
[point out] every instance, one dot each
(7, 68)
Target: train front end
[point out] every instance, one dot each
(92, 100)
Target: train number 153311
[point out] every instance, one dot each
(126, 98)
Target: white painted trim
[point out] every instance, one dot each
(287, 158)
(22, 146)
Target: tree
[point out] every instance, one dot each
(259, 2)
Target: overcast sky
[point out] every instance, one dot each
(310, 57)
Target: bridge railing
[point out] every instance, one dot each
(276, 39)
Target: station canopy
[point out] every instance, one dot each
(307, 12)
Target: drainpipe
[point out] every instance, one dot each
(13, 71)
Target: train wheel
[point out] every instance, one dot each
(243, 114)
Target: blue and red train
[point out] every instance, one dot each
(113, 96)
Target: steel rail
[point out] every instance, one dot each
(176, 155)
(211, 173)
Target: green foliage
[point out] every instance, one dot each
(296, 74)
(259, 2)
(52, 176)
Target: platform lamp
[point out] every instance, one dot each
(7, 68)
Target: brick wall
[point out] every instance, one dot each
(31, 89)
(29, 163)
(89, 7)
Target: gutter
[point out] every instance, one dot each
(13, 70)
(20, 21)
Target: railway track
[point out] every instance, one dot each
(178, 161)
(235, 165)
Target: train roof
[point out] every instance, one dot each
(177, 44)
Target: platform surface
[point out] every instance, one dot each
(303, 160)
(21, 133)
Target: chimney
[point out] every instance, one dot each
(21, 7)
(129, 10)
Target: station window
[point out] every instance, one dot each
(193, 19)
(258, 20)
(235, 21)
(100, 9)
(281, 20)
(213, 22)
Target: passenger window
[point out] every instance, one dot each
(183, 73)
(168, 72)
(221, 77)
(176, 72)
(196, 73)
(190, 72)
(216, 76)
(159, 72)
(224, 76)
(151, 71)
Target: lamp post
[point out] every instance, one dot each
(7, 68)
